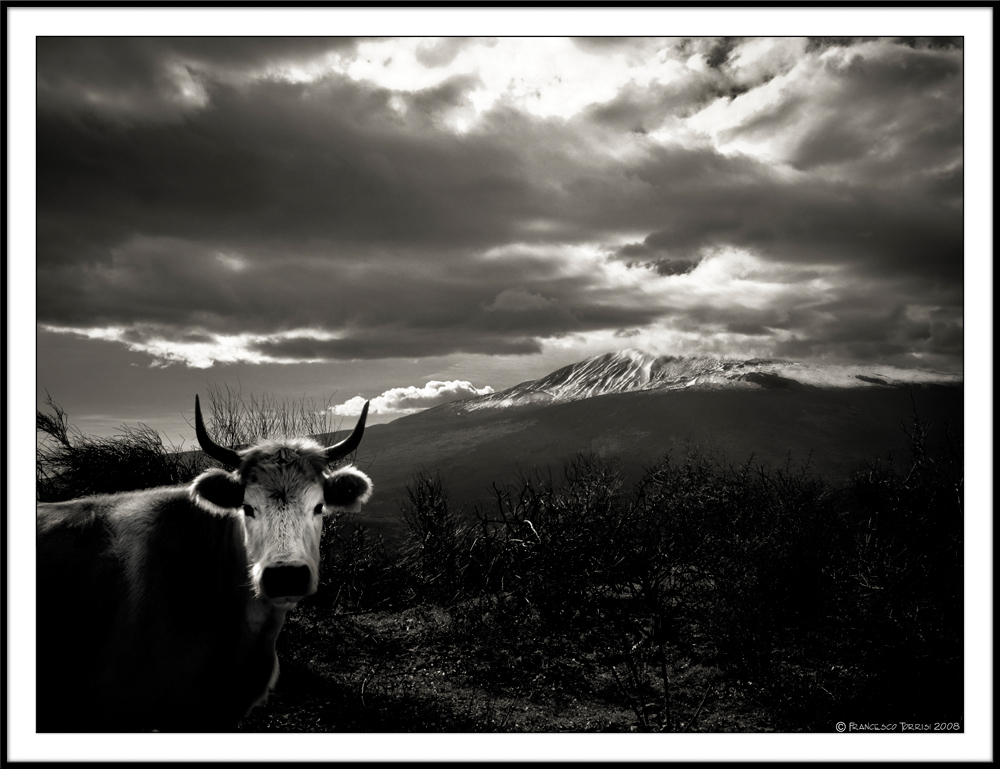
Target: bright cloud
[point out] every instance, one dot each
(400, 401)
(544, 76)
(197, 350)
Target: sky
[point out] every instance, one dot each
(415, 220)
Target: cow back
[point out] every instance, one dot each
(79, 588)
(146, 616)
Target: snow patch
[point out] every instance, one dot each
(633, 370)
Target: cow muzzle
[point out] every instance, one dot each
(286, 584)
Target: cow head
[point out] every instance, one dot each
(282, 491)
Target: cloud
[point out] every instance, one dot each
(263, 201)
(644, 108)
(167, 345)
(519, 299)
(400, 401)
(835, 112)
(441, 52)
(636, 47)
(143, 78)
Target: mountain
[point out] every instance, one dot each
(634, 408)
(633, 370)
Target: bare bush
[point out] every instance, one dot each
(803, 600)
(239, 421)
(437, 551)
(360, 571)
(908, 582)
(70, 464)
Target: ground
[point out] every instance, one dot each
(410, 671)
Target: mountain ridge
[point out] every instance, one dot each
(633, 370)
(634, 408)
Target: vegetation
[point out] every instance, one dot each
(70, 464)
(708, 597)
(237, 420)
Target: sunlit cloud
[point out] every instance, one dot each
(544, 76)
(400, 401)
(196, 349)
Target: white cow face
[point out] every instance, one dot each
(283, 493)
(283, 490)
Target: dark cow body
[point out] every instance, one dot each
(153, 613)
(111, 661)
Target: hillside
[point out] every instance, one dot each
(777, 605)
(633, 370)
(772, 419)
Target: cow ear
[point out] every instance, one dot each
(217, 491)
(346, 489)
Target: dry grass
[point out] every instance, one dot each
(237, 420)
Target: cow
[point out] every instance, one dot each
(158, 610)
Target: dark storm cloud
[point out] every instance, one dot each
(822, 43)
(276, 162)
(272, 206)
(720, 49)
(510, 324)
(435, 103)
(603, 45)
(641, 108)
(877, 319)
(873, 332)
(749, 329)
(698, 200)
(143, 77)
(393, 305)
(853, 118)
(662, 261)
(635, 49)
(382, 343)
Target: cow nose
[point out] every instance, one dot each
(285, 581)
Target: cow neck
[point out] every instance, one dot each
(264, 619)
(210, 550)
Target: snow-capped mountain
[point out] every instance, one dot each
(646, 406)
(632, 370)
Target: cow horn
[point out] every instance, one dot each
(346, 446)
(227, 457)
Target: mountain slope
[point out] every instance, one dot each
(741, 411)
(634, 370)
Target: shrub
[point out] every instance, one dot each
(437, 552)
(810, 601)
(71, 464)
(359, 572)
(237, 420)
(908, 580)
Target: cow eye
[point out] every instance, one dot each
(318, 510)
(248, 511)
